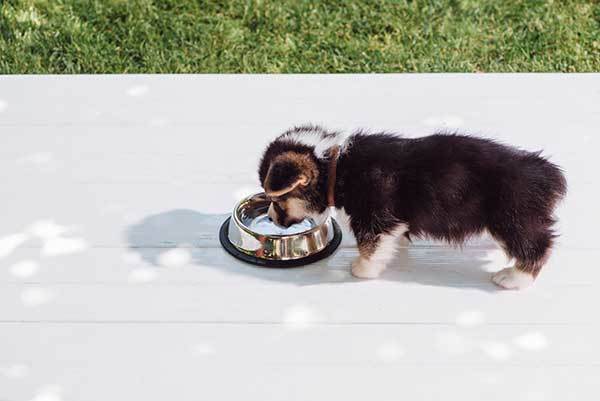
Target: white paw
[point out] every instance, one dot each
(361, 268)
(403, 242)
(512, 279)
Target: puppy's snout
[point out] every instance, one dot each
(279, 217)
(272, 213)
(290, 222)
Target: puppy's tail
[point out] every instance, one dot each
(550, 178)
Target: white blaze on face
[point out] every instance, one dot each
(272, 214)
(295, 209)
(318, 139)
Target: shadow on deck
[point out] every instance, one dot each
(196, 234)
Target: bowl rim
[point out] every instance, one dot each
(234, 251)
(242, 226)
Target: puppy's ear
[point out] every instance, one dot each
(287, 172)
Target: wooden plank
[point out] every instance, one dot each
(286, 345)
(426, 266)
(326, 302)
(188, 381)
(183, 361)
(534, 100)
(113, 284)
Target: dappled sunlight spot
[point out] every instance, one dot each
(470, 318)
(47, 229)
(535, 395)
(532, 341)
(496, 350)
(10, 242)
(158, 122)
(36, 296)
(15, 372)
(49, 393)
(451, 342)
(299, 317)
(63, 246)
(53, 242)
(389, 351)
(24, 268)
(245, 191)
(446, 121)
(3, 105)
(203, 349)
(138, 90)
(42, 161)
(37, 158)
(175, 257)
(143, 275)
(132, 258)
(490, 379)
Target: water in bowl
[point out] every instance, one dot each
(264, 225)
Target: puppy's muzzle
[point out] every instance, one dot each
(279, 217)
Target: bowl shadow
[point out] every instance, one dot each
(421, 263)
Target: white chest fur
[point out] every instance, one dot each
(343, 219)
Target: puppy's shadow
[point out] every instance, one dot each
(445, 266)
(197, 234)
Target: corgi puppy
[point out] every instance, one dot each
(444, 186)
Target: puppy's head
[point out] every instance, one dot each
(290, 178)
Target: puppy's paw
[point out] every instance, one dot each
(403, 242)
(512, 279)
(361, 268)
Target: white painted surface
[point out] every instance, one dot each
(113, 285)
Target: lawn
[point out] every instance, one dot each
(143, 36)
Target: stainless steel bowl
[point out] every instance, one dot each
(275, 250)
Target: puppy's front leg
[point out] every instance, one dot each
(375, 252)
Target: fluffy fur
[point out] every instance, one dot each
(444, 186)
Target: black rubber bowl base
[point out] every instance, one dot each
(236, 253)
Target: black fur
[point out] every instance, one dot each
(283, 173)
(444, 186)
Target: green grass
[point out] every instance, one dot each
(143, 36)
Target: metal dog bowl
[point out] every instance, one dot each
(273, 250)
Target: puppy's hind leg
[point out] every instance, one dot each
(531, 250)
(376, 251)
(405, 240)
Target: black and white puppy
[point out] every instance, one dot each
(444, 186)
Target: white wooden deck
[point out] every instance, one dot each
(113, 285)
